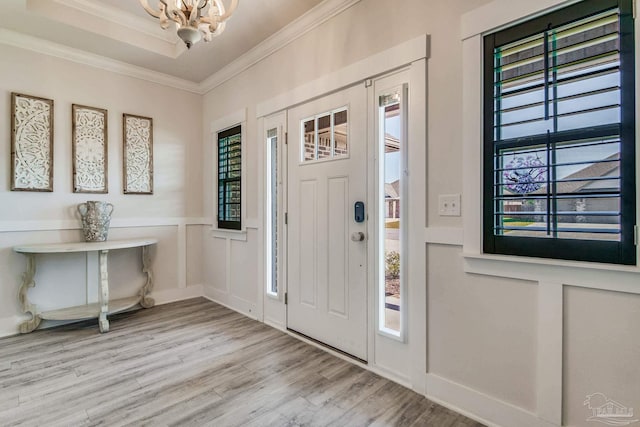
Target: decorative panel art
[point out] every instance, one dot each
(90, 165)
(31, 143)
(138, 154)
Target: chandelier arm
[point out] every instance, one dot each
(179, 17)
(210, 27)
(194, 16)
(174, 13)
(149, 10)
(216, 9)
(226, 15)
(207, 20)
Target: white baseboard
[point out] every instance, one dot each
(390, 375)
(177, 294)
(232, 302)
(479, 406)
(275, 324)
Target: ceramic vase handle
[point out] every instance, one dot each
(82, 207)
(109, 205)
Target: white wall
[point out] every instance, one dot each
(172, 214)
(505, 346)
(507, 349)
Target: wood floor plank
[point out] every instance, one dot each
(195, 363)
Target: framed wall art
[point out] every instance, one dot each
(90, 162)
(31, 143)
(138, 154)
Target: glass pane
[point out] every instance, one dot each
(221, 201)
(588, 188)
(272, 213)
(340, 134)
(232, 196)
(577, 84)
(525, 129)
(582, 203)
(324, 137)
(522, 97)
(589, 218)
(589, 118)
(522, 217)
(309, 142)
(392, 250)
(583, 79)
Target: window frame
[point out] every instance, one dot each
(332, 157)
(224, 223)
(389, 86)
(622, 252)
(273, 228)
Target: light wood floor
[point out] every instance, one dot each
(195, 363)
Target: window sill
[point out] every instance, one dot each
(222, 233)
(583, 274)
(273, 296)
(391, 334)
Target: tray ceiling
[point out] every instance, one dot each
(122, 30)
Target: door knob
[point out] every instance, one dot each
(357, 236)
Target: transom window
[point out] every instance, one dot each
(559, 135)
(325, 136)
(229, 178)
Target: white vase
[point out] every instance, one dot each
(95, 217)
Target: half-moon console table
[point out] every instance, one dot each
(98, 310)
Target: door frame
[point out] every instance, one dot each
(413, 55)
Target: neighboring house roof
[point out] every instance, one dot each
(391, 143)
(396, 186)
(596, 170)
(390, 192)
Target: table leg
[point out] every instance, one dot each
(104, 292)
(145, 300)
(28, 282)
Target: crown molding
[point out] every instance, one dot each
(305, 23)
(23, 41)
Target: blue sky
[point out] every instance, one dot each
(392, 160)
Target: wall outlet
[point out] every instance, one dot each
(449, 204)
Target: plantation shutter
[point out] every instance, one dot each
(559, 135)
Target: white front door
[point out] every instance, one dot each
(327, 246)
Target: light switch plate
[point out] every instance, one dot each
(449, 204)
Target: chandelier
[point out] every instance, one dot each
(195, 19)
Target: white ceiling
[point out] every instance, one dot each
(123, 31)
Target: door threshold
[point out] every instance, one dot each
(330, 347)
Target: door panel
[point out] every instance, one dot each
(308, 272)
(327, 167)
(338, 262)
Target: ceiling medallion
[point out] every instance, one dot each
(195, 19)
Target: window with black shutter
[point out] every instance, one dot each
(559, 135)
(229, 178)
